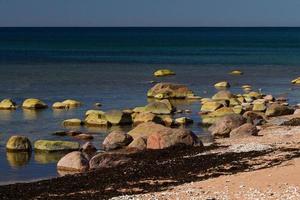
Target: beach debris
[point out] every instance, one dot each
(242, 148)
(34, 104)
(164, 72)
(18, 143)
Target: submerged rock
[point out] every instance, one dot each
(223, 126)
(160, 107)
(34, 104)
(116, 140)
(72, 103)
(223, 95)
(72, 122)
(7, 104)
(169, 91)
(74, 161)
(52, 145)
(18, 143)
(236, 72)
(164, 72)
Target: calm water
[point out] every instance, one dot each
(114, 66)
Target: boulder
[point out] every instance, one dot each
(209, 106)
(169, 90)
(146, 117)
(183, 121)
(52, 145)
(84, 136)
(236, 72)
(59, 105)
(88, 149)
(167, 120)
(117, 117)
(163, 72)
(213, 116)
(144, 130)
(72, 122)
(139, 109)
(223, 95)
(278, 110)
(116, 140)
(138, 143)
(222, 84)
(259, 105)
(7, 104)
(160, 107)
(96, 119)
(74, 161)
(18, 143)
(172, 137)
(223, 126)
(109, 160)
(255, 118)
(244, 130)
(71, 103)
(34, 104)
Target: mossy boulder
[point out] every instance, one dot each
(98, 112)
(259, 105)
(169, 91)
(53, 145)
(59, 105)
(146, 117)
(117, 117)
(213, 116)
(209, 106)
(34, 104)
(163, 72)
(96, 119)
(183, 121)
(296, 81)
(223, 95)
(72, 103)
(159, 107)
(18, 143)
(7, 104)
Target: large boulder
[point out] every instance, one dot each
(108, 160)
(159, 107)
(52, 145)
(223, 126)
(146, 117)
(74, 161)
(172, 137)
(163, 72)
(170, 90)
(138, 143)
(116, 140)
(278, 110)
(18, 143)
(244, 130)
(117, 117)
(7, 104)
(34, 104)
(96, 119)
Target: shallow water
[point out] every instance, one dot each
(115, 66)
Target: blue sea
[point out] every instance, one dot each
(114, 66)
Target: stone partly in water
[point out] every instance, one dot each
(108, 160)
(164, 72)
(96, 119)
(18, 143)
(98, 112)
(52, 145)
(183, 121)
(59, 105)
(169, 91)
(160, 107)
(223, 95)
(210, 106)
(222, 84)
(244, 130)
(278, 110)
(74, 161)
(138, 143)
(7, 104)
(72, 103)
(146, 117)
(296, 81)
(214, 116)
(116, 140)
(117, 117)
(72, 122)
(236, 72)
(34, 104)
(223, 126)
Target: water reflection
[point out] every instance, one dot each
(30, 114)
(48, 157)
(6, 115)
(18, 159)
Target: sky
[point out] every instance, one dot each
(100, 13)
